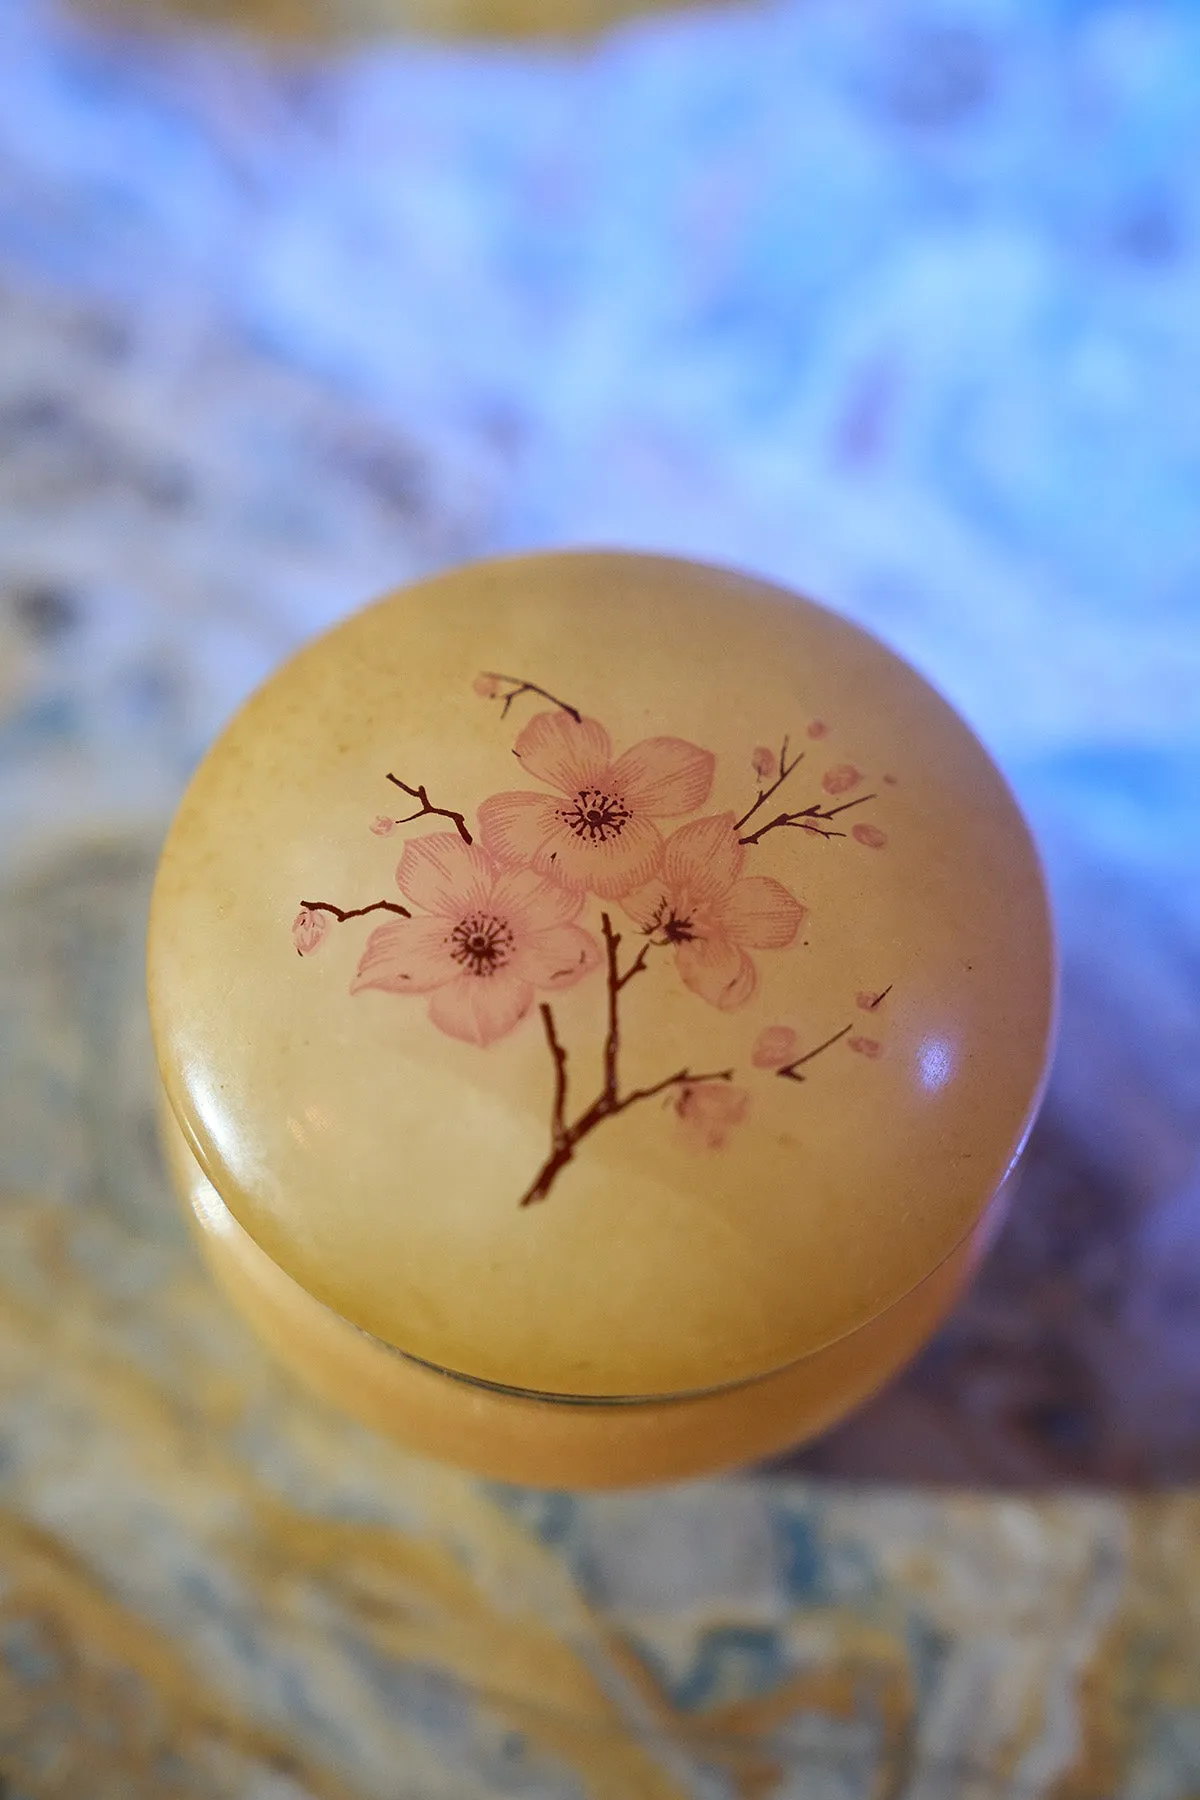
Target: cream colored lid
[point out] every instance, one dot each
(601, 975)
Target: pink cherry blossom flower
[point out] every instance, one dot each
(866, 1046)
(870, 835)
(491, 937)
(597, 832)
(701, 904)
(486, 686)
(708, 1111)
(382, 826)
(841, 779)
(818, 729)
(764, 763)
(774, 1046)
(309, 930)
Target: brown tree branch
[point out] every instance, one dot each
(558, 1123)
(564, 1138)
(764, 794)
(809, 818)
(517, 687)
(341, 914)
(429, 809)
(790, 1071)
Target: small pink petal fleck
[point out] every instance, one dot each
(763, 763)
(870, 835)
(818, 729)
(891, 780)
(867, 1002)
(867, 1046)
(486, 686)
(383, 826)
(309, 930)
(841, 779)
(774, 1046)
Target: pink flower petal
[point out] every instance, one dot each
(481, 1008)
(663, 776)
(310, 928)
(382, 826)
(760, 913)
(775, 1046)
(818, 729)
(444, 875)
(486, 686)
(649, 904)
(867, 1002)
(611, 867)
(702, 860)
(406, 956)
(514, 828)
(866, 1046)
(841, 779)
(531, 901)
(871, 836)
(565, 753)
(718, 971)
(559, 957)
(708, 1111)
(763, 763)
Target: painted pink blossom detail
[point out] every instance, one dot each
(871, 836)
(708, 1111)
(841, 779)
(818, 729)
(866, 1046)
(491, 937)
(765, 763)
(486, 686)
(701, 904)
(382, 826)
(309, 930)
(597, 832)
(774, 1046)
(867, 1002)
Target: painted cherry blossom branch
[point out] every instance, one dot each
(809, 818)
(610, 1101)
(428, 809)
(764, 794)
(488, 683)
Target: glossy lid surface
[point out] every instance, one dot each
(601, 975)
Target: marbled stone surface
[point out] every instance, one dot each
(900, 304)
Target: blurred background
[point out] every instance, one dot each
(897, 303)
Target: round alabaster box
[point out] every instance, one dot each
(599, 1002)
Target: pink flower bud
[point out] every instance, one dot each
(818, 729)
(867, 1002)
(763, 763)
(774, 1046)
(486, 686)
(841, 779)
(382, 826)
(866, 1046)
(309, 930)
(870, 835)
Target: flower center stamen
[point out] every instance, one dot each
(482, 943)
(596, 818)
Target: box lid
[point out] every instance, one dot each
(602, 975)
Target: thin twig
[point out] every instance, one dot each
(807, 820)
(341, 914)
(789, 1070)
(428, 808)
(518, 686)
(681, 1078)
(636, 966)
(764, 794)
